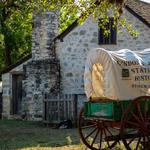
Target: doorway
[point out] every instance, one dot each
(16, 93)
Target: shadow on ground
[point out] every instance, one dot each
(26, 134)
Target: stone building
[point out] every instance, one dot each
(54, 71)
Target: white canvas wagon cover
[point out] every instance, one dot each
(117, 75)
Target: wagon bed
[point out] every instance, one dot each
(112, 110)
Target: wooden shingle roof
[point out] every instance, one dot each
(140, 9)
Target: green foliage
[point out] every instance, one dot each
(132, 31)
(16, 21)
(1, 51)
(21, 27)
(15, 30)
(67, 17)
(82, 9)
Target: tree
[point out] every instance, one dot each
(15, 30)
(82, 9)
(16, 21)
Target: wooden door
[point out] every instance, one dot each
(16, 93)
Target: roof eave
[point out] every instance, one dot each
(19, 62)
(137, 15)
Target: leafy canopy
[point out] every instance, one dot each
(16, 21)
(70, 10)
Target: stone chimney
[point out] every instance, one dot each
(42, 73)
(45, 29)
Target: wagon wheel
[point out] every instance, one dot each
(95, 134)
(135, 125)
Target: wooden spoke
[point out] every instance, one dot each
(145, 111)
(148, 138)
(139, 111)
(89, 126)
(109, 131)
(136, 117)
(91, 133)
(132, 139)
(95, 138)
(138, 143)
(98, 130)
(107, 140)
(144, 142)
(101, 136)
(132, 123)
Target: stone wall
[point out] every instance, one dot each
(75, 46)
(41, 77)
(7, 90)
(7, 94)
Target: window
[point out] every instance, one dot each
(112, 37)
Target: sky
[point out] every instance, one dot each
(148, 1)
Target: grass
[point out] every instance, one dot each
(28, 135)
(33, 135)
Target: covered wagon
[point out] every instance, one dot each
(117, 85)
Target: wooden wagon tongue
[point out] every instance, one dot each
(117, 75)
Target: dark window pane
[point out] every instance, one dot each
(112, 37)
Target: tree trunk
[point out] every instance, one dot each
(7, 43)
(7, 51)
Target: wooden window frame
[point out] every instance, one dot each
(111, 38)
